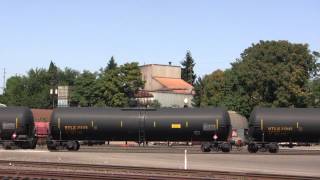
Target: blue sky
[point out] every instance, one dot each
(85, 34)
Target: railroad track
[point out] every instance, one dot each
(48, 170)
(180, 149)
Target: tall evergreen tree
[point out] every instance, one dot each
(198, 96)
(53, 74)
(111, 64)
(187, 72)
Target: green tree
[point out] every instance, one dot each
(130, 75)
(33, 89)
(14, 92)
(53, 75)
(67, 77)
(198, 96)
(85, 90)
(314, 100)
(187, 72)
(110, 87)
(3, 99)
(111, 64)
(213, 89)
(275, 73)
(118, 86)
(235, 96)
(37, 89)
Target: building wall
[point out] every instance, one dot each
(172, 99)
(154, 70)
(166, 71)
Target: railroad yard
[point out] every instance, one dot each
(128, 162)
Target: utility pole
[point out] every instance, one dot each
(4, 80)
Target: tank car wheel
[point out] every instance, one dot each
(290, 145)
(205, 148)
(72, 145)
(25, 145)
(263, 149)
(6, 146)
(34, 143)
(78, 146)
(273, 148)
(253, 148)
(52, 146)
(225, 147)
(33, 146)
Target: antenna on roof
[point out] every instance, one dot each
(170, 63)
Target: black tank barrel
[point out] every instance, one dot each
(285, 124)
(17, 120)
(173, 124)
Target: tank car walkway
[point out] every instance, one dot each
(303, 165)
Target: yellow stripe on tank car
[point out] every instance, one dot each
(59, 120)
(187, 124)
(217, 123)
(92, 124)
(297, 125)
(154, 124)
(261, 124)
(121, 124)
(175, 126)
(17, 122)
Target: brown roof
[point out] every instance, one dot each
(175, 84)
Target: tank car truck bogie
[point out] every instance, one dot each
(216, 146)
(54, 145)
(254, 147)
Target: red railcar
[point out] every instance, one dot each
(42, 118)
(42, 129)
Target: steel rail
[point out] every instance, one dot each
(142, 172)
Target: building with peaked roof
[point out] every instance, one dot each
(164, 84)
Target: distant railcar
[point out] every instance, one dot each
(42, 129)
(17, 128)
(269, 126)
(239, 129)
(70, 125)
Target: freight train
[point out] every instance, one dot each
(211, 126)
